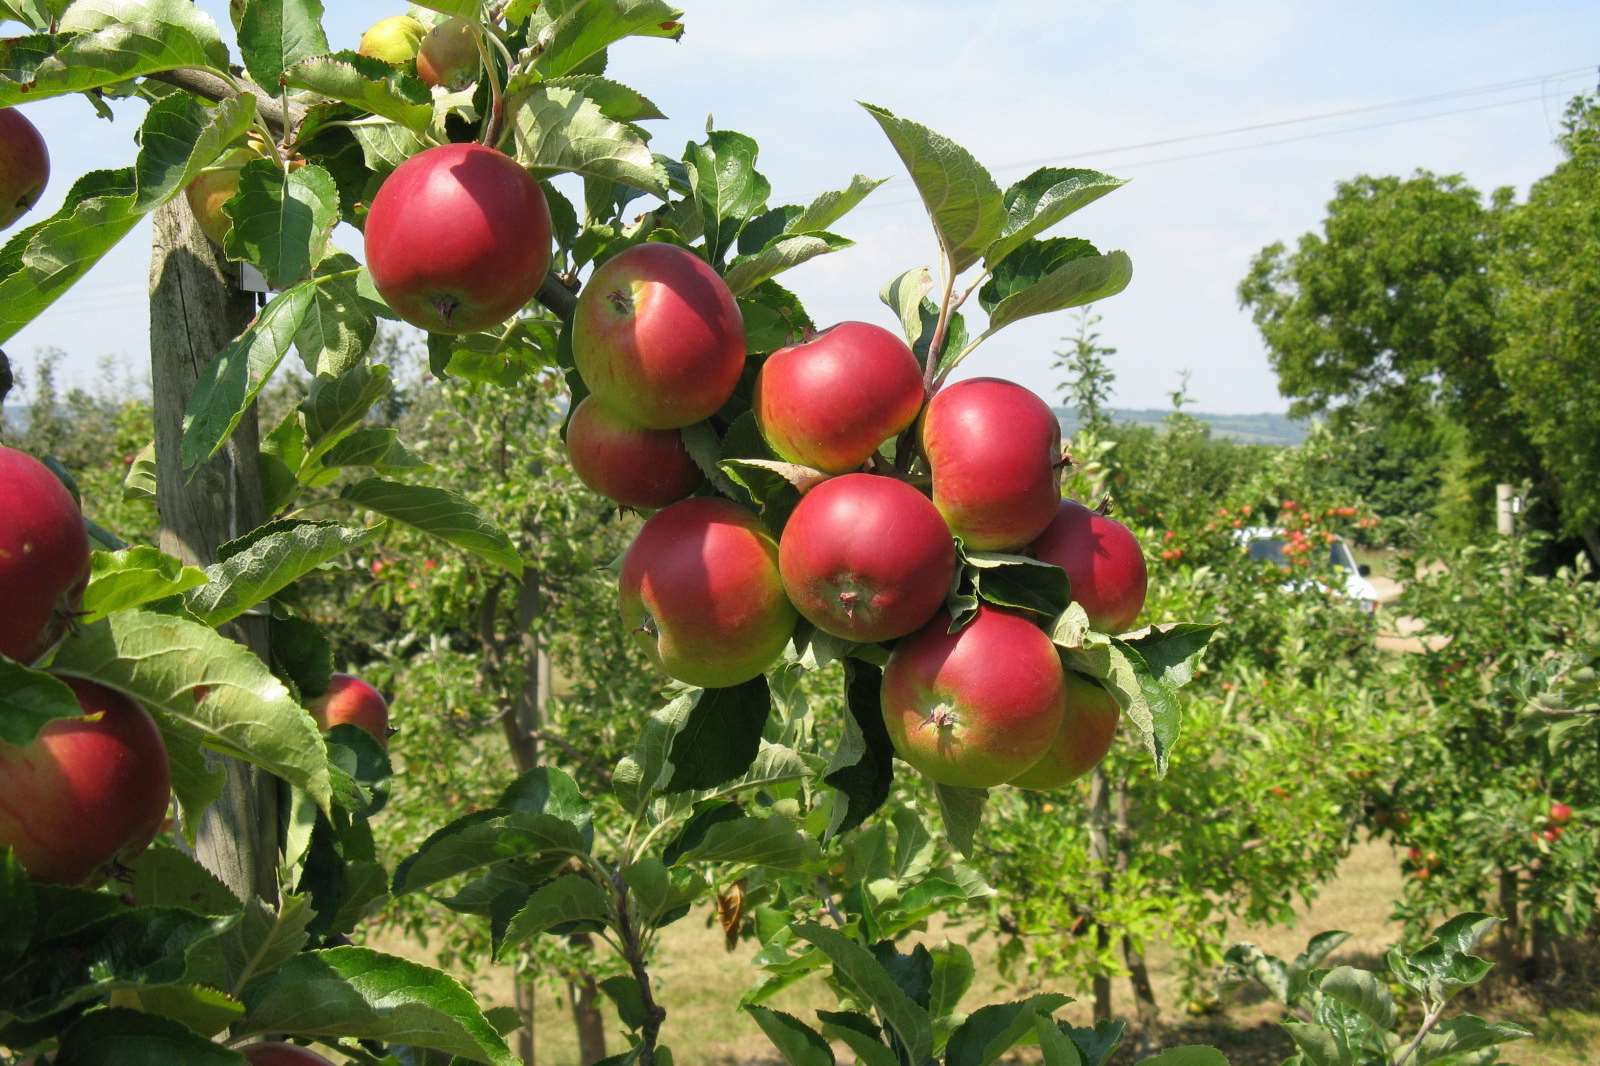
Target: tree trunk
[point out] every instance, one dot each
(194, 312)
(1510, 943)
(584, 995)
(527, 1001)
(1144, 995)
(1100, 852)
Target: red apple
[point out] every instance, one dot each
(394, 40)
(643, 468)
(24, 166)
(1414, 854)
(658, 337)
(866, 558)
(1560, 813)
(994, 449)
(449, 54)
(1102, 560)
(351, 701)
(1088, 726)
(829, 402)
(1423, 873)
(44, 556)
(701, 593)
(282, 1055)
(458, 238)
(86, 790)
(1552, 834)
(975, 708)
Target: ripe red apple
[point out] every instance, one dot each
(643, 468)
(87, 790)
(282, 1055)
(1552, 834)
(351, 701)
(994, 449)
(458, 238)
(1414, 854)
(1088, 726)
(1560, 813)
(658, 337)
(394, 40)
(449, 55)
(24, 166)
(866, 558)
(44, 556)
(1102, 560)
(1423, 873)
(975, 708)
(830, 401)
(701, 593)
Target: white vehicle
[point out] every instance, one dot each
(1266, 544)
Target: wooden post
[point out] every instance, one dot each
(195, 310)
(1100, 852)
(1505, 516)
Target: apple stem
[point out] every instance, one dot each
(930, 371)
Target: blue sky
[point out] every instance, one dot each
(1023, 83)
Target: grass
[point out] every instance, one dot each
(700, 984)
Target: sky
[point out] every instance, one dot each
(1022, 84)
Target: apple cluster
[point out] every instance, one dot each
(870, 553)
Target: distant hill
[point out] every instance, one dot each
(1264, 428)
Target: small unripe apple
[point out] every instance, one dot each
(24, 166)
(637, 467)
(975, 708)
(995, 450)
(351, 701)
(1088, 726)
(1103, 562)
(830, 401)
(458, 238)
(449, 54)
(395, 39)
(86, 790)
(215, 186)
(701, 593)
(44, 556)
(866, 558)
(282, 1055)
(1560, 813)
(658, 337)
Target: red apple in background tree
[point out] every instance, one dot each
(449, 54)
(395, 39)
(351, 701)
(1560, 813)
(830, 401)
(1102, 560)
(458, 238)
(658, 337)
(1088, 726)
(975, 708)
(866, 558)
(995, 451)
(44, 556)
(282, 1055)
(701, 593)
(24, 166)
(643, 468)
(86, 790)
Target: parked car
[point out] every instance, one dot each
(1349, 578)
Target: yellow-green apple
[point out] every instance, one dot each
(1088, 726)
(351, 701)
(658, 337)
(282, 1055)
(701, 593)
(449, 54)
(637, 467)
(215, 186)
(866, 558)
(975, 708)
(830, 401)
(458, 238)
(395, 39)
(1103, 562)
(24, 166)
(995, 452)
(44, 556)
(87, 790)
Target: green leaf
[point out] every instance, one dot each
(1018, 581)
(855, 966)
(702, 739)
(1096, 1045)
(120, 1037)
(773, 842)
(163, 876)
(1465, 1033)
(615, 100)
(271, 564)
(991, 1031)
(140, 483)
(830, 207)
(179, 138)
(482, 839)
(860, 1034)
(351, 992)
(231, 382)
(338, 327)
(17, 902)
(1042, 199)
(505, 358)
(103, 42)
(276, 34)
(1445, 964)
(1187, 1055)
(1158, 705)
(30, 700)
(953, 971)
(385, 145)
(566, 899)
(1054, 1045)
(582, 31)
(203, 689)
(905, 296)
(338, 404)
(282, 220)
(797, 1042)
(134, 577)
(439, 513)
(379, 449)
(550, 790)
(559, 130)
(861, 768)
(1046, 276)
(1171, 651)
(962, 199)
(962, 809)
(368, 84)
(727, 189)
(1362, 992)
(782, 253)
(624, 992)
